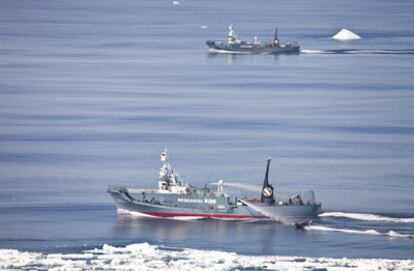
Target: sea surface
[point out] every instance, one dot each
(91, 92)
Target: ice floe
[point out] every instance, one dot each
(144, 256)
(345, 34)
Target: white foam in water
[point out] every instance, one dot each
(315, 52)
(396, 234)
(127, 212)
(357, 51)
(324, 228)
(345, 34)
(138, 214)
(144, 256)
(353, 231)
(368, 217)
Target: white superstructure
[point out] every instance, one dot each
(232, 37)
(170, 181)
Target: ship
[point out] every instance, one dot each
(178, 200)
(235, 45)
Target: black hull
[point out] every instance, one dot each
(220, 47)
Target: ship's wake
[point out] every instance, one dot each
(355, 231)
(124, 212)
(359, 51)
(368, 217)
(364, 224)
(329, 52)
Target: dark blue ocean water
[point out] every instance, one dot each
(92, 91)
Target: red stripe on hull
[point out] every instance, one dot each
(205, 215)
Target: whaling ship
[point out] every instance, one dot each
(235, 45)
(175, 199)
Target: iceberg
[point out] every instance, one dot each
(345, 34)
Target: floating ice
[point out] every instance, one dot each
(204, 27)
(369, 217)
(144, 256)
(345, 34)
(176, 2)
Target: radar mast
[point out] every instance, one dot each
(267, 190)
(232, 36)
(168, 177)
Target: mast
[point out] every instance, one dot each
(266, 182)
(232, 36)
(167, 174)
(276, 39)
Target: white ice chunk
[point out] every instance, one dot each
(345, 34)
(149, 257)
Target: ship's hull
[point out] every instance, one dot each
(251, 48)
(193, 207)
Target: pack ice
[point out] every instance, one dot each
(144, 256)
